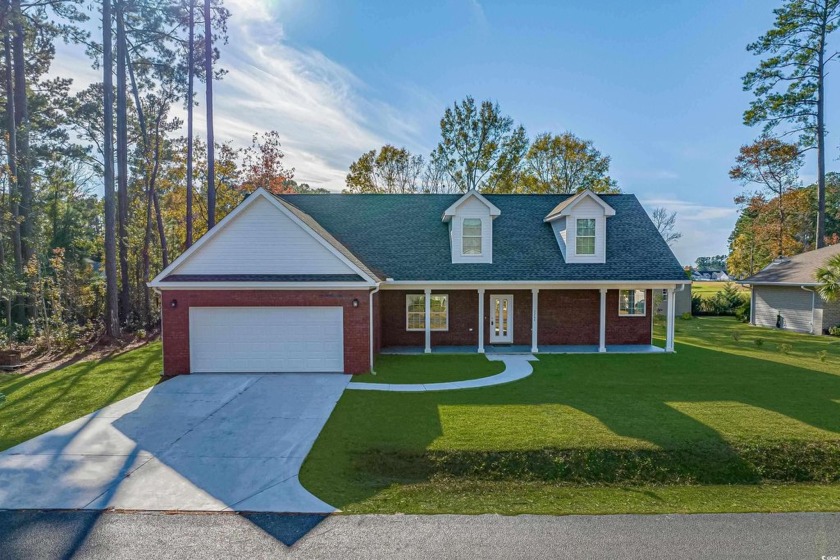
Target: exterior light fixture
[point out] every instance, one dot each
(173, 304)
(355, 302)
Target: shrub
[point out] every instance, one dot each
(687, 316)
(834, 331)
(728, 301)
(785, 348)
(140, 334)
(759, 342)
(736, 336)
(822, 354)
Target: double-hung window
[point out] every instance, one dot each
(471, 236)
(585, 236)
(631, 303)
(415, 312)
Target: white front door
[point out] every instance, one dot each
(501, 318)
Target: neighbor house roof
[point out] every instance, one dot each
(798, 269)
(403, 237)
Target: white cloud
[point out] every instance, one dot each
(705, 229)
(325, 115)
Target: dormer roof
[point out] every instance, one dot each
(566, 207)
(450, 212)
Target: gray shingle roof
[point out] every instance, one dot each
(798, 269)
(403, 237)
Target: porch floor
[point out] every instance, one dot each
(525, 349)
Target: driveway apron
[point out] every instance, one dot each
(201, 442)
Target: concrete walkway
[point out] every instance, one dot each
(516, 368)
(194, 443)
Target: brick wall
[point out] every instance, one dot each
(463, 320)
(568, 317)
(176, 324)
(628, 330)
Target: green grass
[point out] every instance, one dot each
(711, 288)
(40, 403)
(469, 451)
(437, 368)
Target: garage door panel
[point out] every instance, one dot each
(266, 339)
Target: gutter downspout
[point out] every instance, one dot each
(813, 305)
(370, 307)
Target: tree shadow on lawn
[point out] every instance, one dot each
(631, 395)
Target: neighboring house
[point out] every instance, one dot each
(784, 296)
(682, 301)
(710, 276)
(324, 282)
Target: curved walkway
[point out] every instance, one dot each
(516, 368)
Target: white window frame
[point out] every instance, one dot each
(594, 236)
(622, 313)
(480, 237)
(423, 313)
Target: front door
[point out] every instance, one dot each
(501, 319)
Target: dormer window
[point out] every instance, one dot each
(585, 238)
(470, 221)
(471, 236)
(579, 224)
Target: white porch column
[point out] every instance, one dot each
(428, 315)
(602, 332)
(481, 320)
(669, 320)
(535, 294)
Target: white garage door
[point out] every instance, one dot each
(266, 339)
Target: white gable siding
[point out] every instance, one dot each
(263, 240)
(472, 208)
(587, 208)
(560, 232)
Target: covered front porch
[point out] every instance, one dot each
(525, 349)
(513, 318)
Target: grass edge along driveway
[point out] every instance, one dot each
(43, 402)
(764, 402)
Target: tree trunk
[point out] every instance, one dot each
(211, 159)
(23, 159)
(112, 323)
(820, 241)
(122, 164)
(164, 251)
(190, 88)
(18, 303)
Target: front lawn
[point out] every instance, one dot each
(726, 424)
(435, 368)
(42, 402)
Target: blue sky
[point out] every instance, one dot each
(655, 84)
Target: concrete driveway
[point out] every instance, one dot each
(194, 443)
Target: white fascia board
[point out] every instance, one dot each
(525, 285)
(259, 193)
(163, 286)
(453, 209)
(576, 199)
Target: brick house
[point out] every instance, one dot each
(325, 282)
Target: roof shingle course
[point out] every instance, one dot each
(403, 237)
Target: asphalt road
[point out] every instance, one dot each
(35, 535)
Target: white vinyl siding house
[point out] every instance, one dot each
(792, 303)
